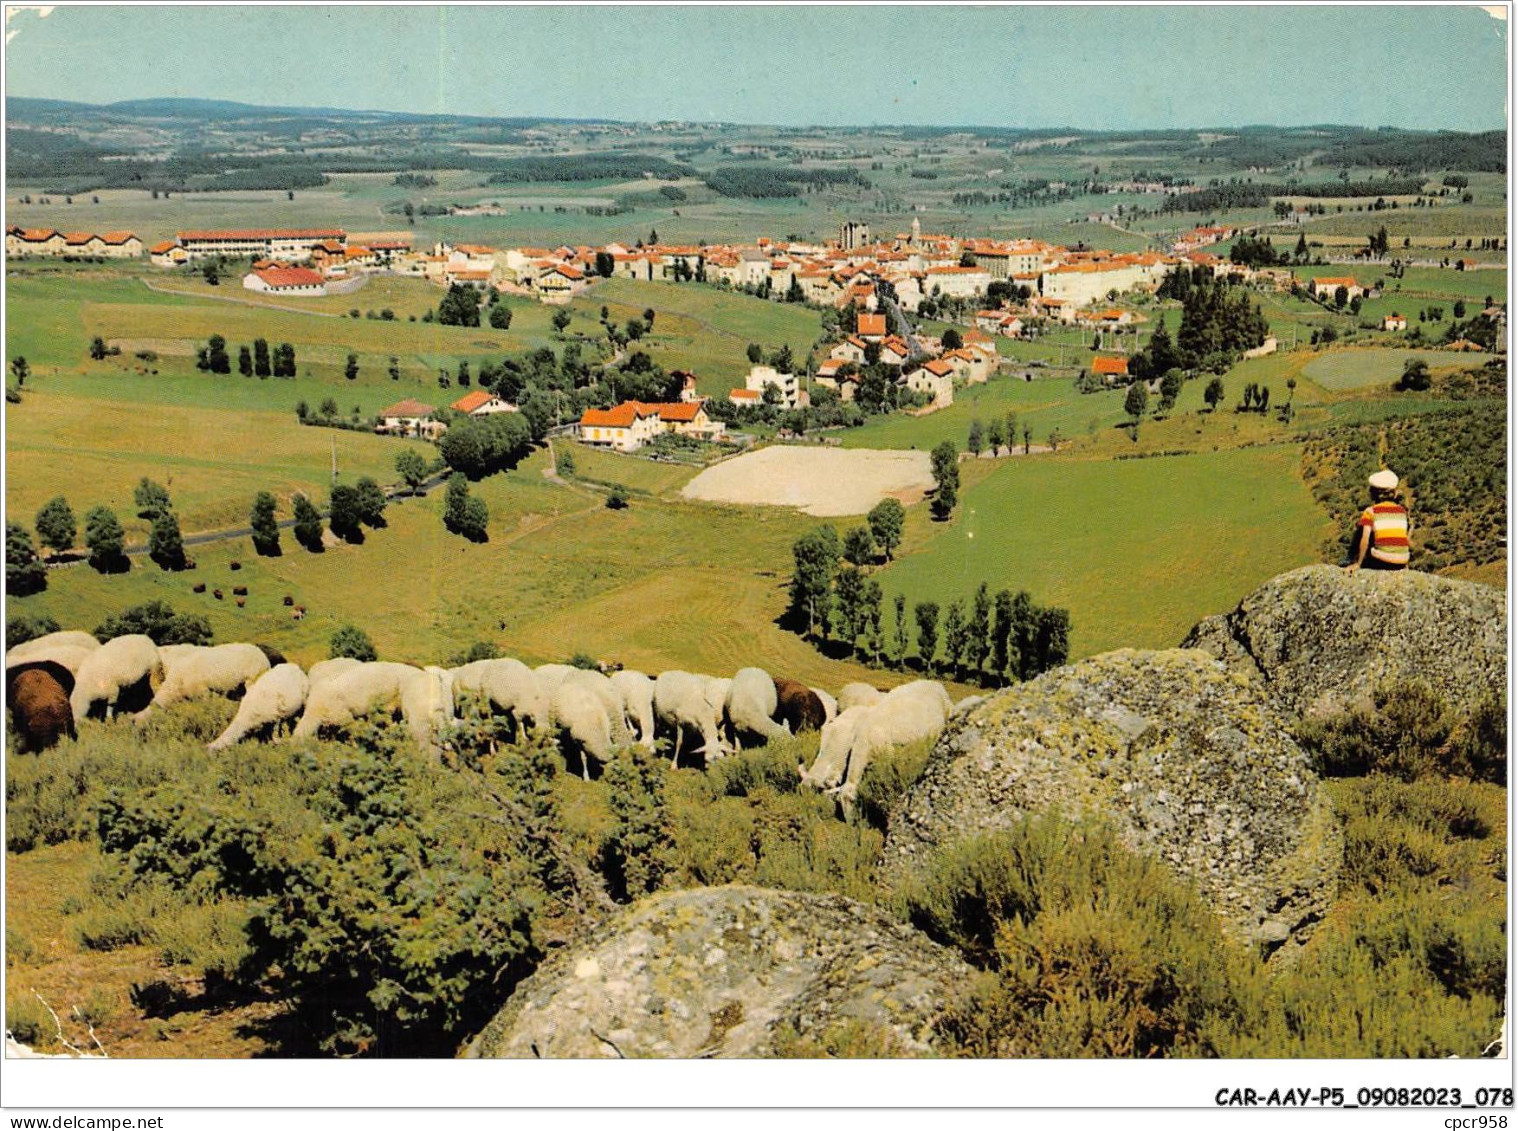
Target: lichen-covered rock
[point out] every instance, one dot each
(730, 972)
(1322, 640)
(1187, 761)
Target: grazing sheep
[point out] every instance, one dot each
(225, 669)
(217, 594)
(38, 696)
(798, 707)
(637, 692)
(685, 701)
(829, 704)
(907, 713)
(242, 602)
(751, 705)
(235, 565)
(858, 695)
(68, 648)
(198, 587)
(298, 613)
(323, 670)
(592, 724)
(510, 687)
(274, 698)
(273, 655)
(239, 590)
(118, 675)
(552, 675)
(422, 697)
(289, 600)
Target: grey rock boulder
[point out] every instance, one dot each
(1322, 640)
(1187, 761)
(728, 972)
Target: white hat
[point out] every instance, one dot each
(1384, 480)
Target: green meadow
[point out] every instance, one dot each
(1137, 550)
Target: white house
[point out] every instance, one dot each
(481, 402)
(792, 395)
(936, 379)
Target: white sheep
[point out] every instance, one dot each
(275, 697)
(637, 692)
(829, 703)
(905, 714)
(858, 695)
(117, 672)
(588, 711)
(190, 672)
(508, 686)
(685, 701)
(67, 649)
(751, 704)
(422, 697)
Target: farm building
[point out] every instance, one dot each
(1327, 287)
(272, 243)
(936, 379)
(293, 281)
(872, 327)
(167, 254)
(481, 402)
(23, 243)
(631, 424)
(1110, 369)
(560, 283)
(410, 418)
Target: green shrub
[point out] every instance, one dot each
(27, 1020)
(888, 777)
(1090, 950)
(27, 626)
(390, 899)
(158, 620)
(1411, 732)
(352, 643)
(637, 853)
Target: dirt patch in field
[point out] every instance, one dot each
(820, 481)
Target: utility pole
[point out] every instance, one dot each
(334, 459)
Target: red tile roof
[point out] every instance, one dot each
(471, 401)
(115, 238)
(874, 324)
(281, 277)
(263, 234)
(1114, 366)
(160, 248)
(407, 407)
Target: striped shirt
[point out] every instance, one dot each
(1388, 525)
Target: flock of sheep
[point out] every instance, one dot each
(58, 680)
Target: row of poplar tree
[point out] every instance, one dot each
(990, 640)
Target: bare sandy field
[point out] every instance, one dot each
(825, 482)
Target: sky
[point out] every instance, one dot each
(1091, 67)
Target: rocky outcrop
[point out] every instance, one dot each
(1189, 762)
(729, 972)
(1322, 640)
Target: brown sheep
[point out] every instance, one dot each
(298, 613)
(242, 602)
(216, 593)
(200, 587)
(236, 565)
(798, 706)
(239, 590)
(39, 703)
(289, 600)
